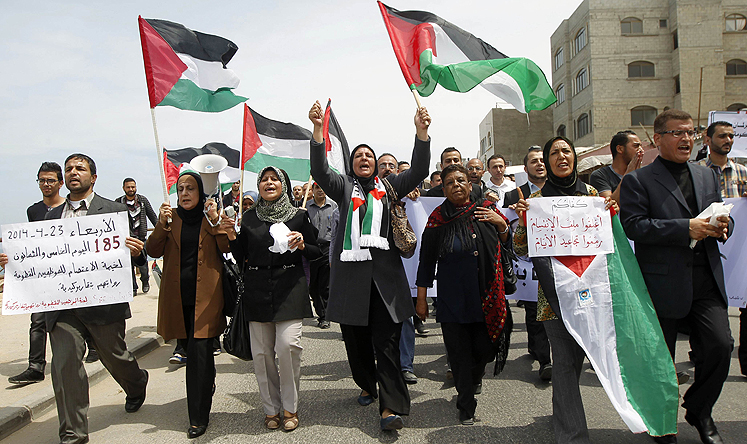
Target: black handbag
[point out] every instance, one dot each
(507, 261)
(404, 236)
(236, 339)
(233, 279)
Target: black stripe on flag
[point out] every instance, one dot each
(208, 47)
(185, 155)
(473, 47)
(279, 130)
(335, 130)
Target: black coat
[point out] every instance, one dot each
(513, 196)
(655, 215)
(350, 282)
(275, 286)
(101, 314)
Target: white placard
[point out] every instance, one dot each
(66, 263)
(738, 119)
(568, 226)
(734, 254)
(418, 212)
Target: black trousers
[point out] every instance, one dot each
(373, 354)
(200, 372)
(38, 342)
(537, 343)
(743, 340)
(143, 273)
(470, 350)
(319, 285)
(710, 340)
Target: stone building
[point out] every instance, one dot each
(510, 133)
(617, 64)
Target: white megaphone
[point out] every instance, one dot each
(209, 165)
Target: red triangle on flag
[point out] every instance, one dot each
(357, 202)
(377, 194)
(163, 68)
(577, 264)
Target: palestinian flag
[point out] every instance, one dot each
(187, 69)
(432, 51)
(338, 152)
(605, 306)
(177, 161)
(283, 145)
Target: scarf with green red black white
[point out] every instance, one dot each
(364, 230)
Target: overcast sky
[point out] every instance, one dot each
(73, 80)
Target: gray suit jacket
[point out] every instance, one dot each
(350, 282)
(101, 314)
(655, 215)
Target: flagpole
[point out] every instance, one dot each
(417, 98)
(160, 157)
(306, 194)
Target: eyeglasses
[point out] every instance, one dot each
(680, 133)
(46, 181)
(388, 165)
(474, 168)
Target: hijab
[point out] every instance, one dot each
(561, 186)
(279, 210)
(367, 183)
(193, 216)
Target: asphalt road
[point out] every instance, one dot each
(514, 407)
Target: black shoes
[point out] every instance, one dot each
(146, 288)
(92, 356)
(323, 324)
(421, 331)
(666, 439)
(195, 431)
(706, 429)
(29, 376)
(132, 405)
(682, 378)
(365, 400)
(545, 372)
(409, 377)
(393, 422)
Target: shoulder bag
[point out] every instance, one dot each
(404, 236)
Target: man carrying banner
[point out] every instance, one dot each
(105, 324)
(660, 204)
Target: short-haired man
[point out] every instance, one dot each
(498, 183)
(232, 196)
(534, 166)
(320, 210)
(49, 178)
(475, 170)
(139, 211)
(627, 155)
(719, 139)
(658, 208)
(387, 164)
(104, 323)
(402, 165)
(297, 196)
(435, 179)
(449, 156)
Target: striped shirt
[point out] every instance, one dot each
(733, 177)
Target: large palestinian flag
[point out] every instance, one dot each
(605, 306)
(432, 51)
(177, 161)
(283, 145)
(187, 69)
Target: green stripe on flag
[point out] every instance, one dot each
(297, 169)
(646, 366)
(348, 242)
(368, 218)
(185, 94)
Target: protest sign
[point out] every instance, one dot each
(568, 226)
(735, 255)
(418, 212)
(738, 119)
(66, 263)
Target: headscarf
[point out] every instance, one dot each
(561, 186)
(367, 183)
(193, 216)
(279, 210)
(251, 194)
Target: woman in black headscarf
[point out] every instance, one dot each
(369, 294)
(191, 246)
(274, 237)
(465, 238)
(569, 420)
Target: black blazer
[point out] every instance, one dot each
(655, 215)
(513, 196)
(100, 314)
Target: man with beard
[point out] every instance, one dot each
(232, 196)
(297, 196)
(139, 211)
(627, 155)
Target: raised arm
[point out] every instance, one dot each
(331, 182)
(406, 181)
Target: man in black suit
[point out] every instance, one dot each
(659, 207)
(105, 324)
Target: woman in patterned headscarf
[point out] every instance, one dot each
(276, 298)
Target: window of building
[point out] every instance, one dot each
(560, 94)
(582, 80)
(662, 23)
(736, 67)
(580, 41)
(582, 126)
(736, 22)
(676, 84)
(736, 107)
(642, 115)
(641, 69)
(490, 140)
(561, 131)
(631, 25)
(559, 58)
(675, 42)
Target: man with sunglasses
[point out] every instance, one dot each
(659, 205)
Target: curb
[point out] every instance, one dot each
(15, 417)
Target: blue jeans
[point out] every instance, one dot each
(407, 345)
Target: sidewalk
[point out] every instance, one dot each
(19, 404)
